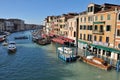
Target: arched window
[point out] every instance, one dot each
(119, 16)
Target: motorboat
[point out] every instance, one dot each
(21, 37)
(43, 41)
(5, 43)
(97, 62)
(2, 38)
(11, 46)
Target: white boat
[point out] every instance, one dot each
(7, 33)
(4, 43)
(12, 46)
(66, 54)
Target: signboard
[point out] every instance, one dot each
(101, 43)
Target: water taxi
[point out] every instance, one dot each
(97, 62)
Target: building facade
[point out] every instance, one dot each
(99, 28)
(18, 24)
(2, 25)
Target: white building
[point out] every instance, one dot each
(9, 26)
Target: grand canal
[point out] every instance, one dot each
(35, 62)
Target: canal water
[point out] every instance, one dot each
(35, 62)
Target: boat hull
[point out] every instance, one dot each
(11, 50)
(67, 58)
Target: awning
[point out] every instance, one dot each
(106, 48)
(101, 47)
(82, 42)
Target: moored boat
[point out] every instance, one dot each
(63, 41)
(43, 41)
(97, 62)
(4, 43)
(66, 54)
(2, 38)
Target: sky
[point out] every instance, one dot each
(35, 11)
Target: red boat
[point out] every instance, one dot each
(63, 40)
(59, 40)
(2, 38)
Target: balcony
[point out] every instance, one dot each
(98, 32)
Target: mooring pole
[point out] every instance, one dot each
(77, 25)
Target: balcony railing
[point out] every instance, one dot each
(98, 32)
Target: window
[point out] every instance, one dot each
(101, 17)
(108, 17)
(118, 32)
(90, 27)
(100, 38)
(81, 19)
(107, 39)
(84, 27)
(99, 51)
(95, 27)
(108, 28)
(84, 37)
(60, 26)
(101, 28)
(95, 38)
(80, 27)
(89, 18)
(74, 34)
(96, 18)
(84, 19)
(118, 57)
(119, 16)
(108, 53)
(80, 36)
(90, 37)
(103, 52)
(91, 9)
